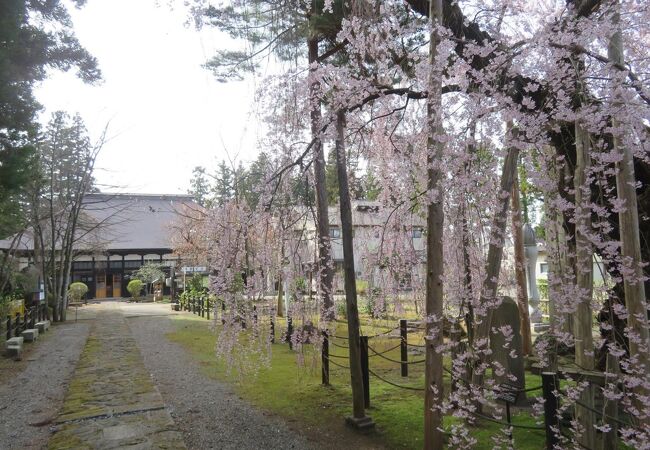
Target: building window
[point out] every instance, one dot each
(132, 264)
(82, 265)
(335, 232)
(417, 233)
(543, 267)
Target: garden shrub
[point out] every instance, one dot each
(362, 287)
(135, 289)
(77, 290)
(341, 309)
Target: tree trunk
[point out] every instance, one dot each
(433, 436)
(635, 300)
(322, 219)
(520, 270)
(348, 266)
(493, 263)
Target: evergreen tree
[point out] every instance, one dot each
(200, 186)
(34, 36)
(224, 189)
(331, 179)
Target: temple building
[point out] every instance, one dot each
(122, 233)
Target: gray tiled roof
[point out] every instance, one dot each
(125, 221)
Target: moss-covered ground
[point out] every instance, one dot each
(293, 389)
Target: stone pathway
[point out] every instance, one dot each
(111, 401)
(32, 390)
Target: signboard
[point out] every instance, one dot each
(198, 269)
(508, 393)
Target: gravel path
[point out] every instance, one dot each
(208, 413)
(30, 399)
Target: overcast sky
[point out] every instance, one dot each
(165, 113)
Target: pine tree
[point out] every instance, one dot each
(200, 186)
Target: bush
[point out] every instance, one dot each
(196, 283)
(135, 288)
(362, 287)
(341, 309)
(77, 290)
(369, 306)
(301, 285)
(542, 287)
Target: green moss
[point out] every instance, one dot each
(296, 393)
(64, 440)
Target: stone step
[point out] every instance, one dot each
(43, 326)
(14, 346)
(30, 335)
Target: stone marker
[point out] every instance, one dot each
(14, 346)
(510, 357)
(30, 335)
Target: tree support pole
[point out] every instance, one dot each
(433, 436)
(633, 285)
(359, 419)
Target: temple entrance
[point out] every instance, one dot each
(101, 286)
(117, 285)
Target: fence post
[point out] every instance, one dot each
(325, 354)
(610, 439)
(403, 333)
(289, 332)
(551, 421)
(8, 327)
(365, 374)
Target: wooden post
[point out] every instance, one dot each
(433, 382)
(583, 316)
(403, 333)
(289, 332)
(325, 362)
(551, 420)
(628, 219)
(365, 369)
(280, 307)
(359, 418)
(613, 370)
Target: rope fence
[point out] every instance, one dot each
(401, 386)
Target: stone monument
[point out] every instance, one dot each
(508, 351)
